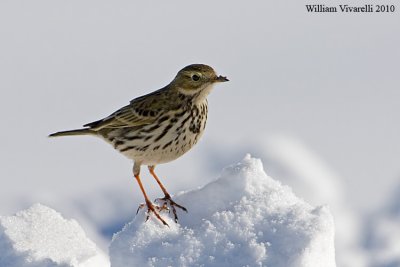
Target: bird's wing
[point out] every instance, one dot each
(141, 111)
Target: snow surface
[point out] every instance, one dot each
(313, 180)
(41, 237)
(285, 157)
(295, 164)
(244, 218)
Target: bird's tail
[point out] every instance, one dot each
(84, 131)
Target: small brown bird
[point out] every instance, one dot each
(159, 127)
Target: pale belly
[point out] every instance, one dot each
(154, 156)
(164, 144)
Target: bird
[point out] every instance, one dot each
(158, 127)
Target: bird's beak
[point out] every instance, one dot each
(221, 79)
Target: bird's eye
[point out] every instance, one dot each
(195, 77)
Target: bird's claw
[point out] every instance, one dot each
(168, 202)
(153, 209)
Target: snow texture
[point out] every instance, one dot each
(41, 237)
(312, 179)
(244, 218)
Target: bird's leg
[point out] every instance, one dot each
(150, 207)
(167, 197)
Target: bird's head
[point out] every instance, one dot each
(195, 79)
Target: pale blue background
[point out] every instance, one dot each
(330, 80)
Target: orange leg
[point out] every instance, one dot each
(151, 170)
(150, 206)
(167, 196)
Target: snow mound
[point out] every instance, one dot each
(244, 218)
(39, 236)
(312, 179)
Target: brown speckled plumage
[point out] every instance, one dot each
(159, 127)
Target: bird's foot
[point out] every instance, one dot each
(153, 209)
(168, 202)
